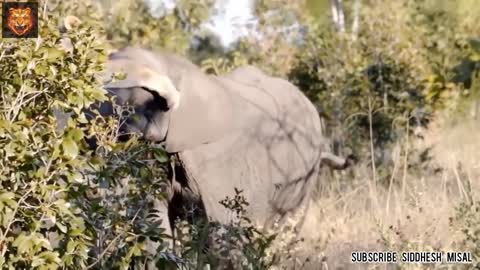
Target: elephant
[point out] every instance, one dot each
(244, 130)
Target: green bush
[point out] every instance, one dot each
(61, 205)
(41, 227)
(468, 216)
(377, 87)
(238, 244)
(365, 95)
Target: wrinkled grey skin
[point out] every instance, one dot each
(243, 130)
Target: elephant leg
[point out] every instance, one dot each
(162, 208)
(159, 212)
(298, 215)
(281, 217)
(289, 197)
(185, 203)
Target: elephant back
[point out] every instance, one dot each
(272, 155)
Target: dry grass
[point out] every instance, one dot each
(411, 213)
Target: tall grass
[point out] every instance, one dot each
(417, 210)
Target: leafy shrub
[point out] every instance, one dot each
(385, 83)
(374, 95)
(41, 227)
(63, 206)
(468, 215)
(238, 244)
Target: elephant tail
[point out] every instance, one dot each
(336, 162)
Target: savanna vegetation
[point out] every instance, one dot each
(396, 83)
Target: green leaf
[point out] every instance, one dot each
(8, 198)
(54, 53)
(99, 95)
(118, 76)
(130, 238)
(160, 155)
(76, 134)
(70, 148)
(61, 227)
(40, 172)
(36, 261)
(475, 44)
(56, 151)
(51, 256)
(23, 244)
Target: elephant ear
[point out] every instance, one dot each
(141, 76)
(209, 111)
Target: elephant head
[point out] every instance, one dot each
(174, 101)
(152, 95)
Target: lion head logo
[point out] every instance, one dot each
(20, 20)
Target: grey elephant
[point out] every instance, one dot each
(244, 130)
